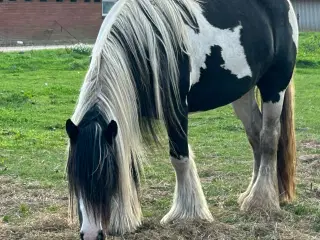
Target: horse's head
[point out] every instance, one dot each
(92, 171)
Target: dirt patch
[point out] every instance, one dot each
(151, 229)
(198, 230)
(310, 163)
(31, 211)
(308, 167)
(40, 226)
(309, 158)
(310, 144)
(26, 197)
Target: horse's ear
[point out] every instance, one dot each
(111, 132)
(72, 130)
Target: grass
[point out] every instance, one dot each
(38, 93)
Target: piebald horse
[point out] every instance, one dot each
(158, 60)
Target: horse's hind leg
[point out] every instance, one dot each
(189, 201)
(264, 193)
(277, 157)
(248, 112)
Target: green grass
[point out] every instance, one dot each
(38, 93)
(309, 50)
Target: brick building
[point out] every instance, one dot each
(51, 21)
(70, 21)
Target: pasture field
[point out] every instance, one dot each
(38, 92)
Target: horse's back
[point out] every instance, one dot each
(237, 43)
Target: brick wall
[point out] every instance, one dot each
(49, 22)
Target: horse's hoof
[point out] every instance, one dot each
(172, 216)
(261, 200)
(243, 196)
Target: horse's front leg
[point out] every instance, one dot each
(189, 201)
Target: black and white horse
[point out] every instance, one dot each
(162, 59)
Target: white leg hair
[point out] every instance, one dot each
(247, 110)
(89, 228)
(189, 201)
(125, 211)
(264, 193)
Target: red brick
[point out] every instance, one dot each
(49, 22)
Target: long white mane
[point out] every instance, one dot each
(146, 27)
(109, 82)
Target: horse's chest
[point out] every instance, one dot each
(231, 51)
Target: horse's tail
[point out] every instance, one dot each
(287, 147)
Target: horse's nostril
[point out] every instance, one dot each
(81, 236)
(100, 235)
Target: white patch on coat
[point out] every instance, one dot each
(89, 227)
(273, 110)
(294, 24)
(209, 36)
